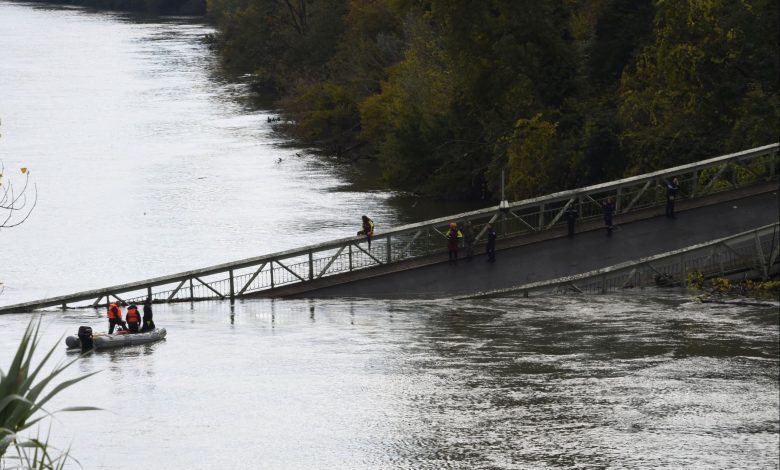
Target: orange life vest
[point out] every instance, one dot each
(114, 312)
(132, 315)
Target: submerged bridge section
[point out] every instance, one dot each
(721, 197)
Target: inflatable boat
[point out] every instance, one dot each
(104, 340)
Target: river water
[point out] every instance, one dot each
(148, 162)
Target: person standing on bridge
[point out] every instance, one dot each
(453, 242)
(671, 194)
(491, 243)
(368, 230)
(609, 210)
(115, 317)
(571, 214)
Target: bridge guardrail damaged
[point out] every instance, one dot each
(263, 274)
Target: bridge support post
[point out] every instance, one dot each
(149, 292)
(311, 266)
(192, 295)
(232, 289)
(350, 256)
(541, 216)
(271, 272)
(389, 250)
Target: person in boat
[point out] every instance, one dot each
(115, 317)
(148, 323)
(133, 319)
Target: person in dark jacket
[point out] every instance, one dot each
(609, 210)
(671, 194)
(491, 243)
(571, 214)
(133, 319)
(148, 323)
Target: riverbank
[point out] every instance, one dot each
(146, 7)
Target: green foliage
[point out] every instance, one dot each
(24, 391)
(688, 87)
(446, 94)
(285, 44)
(528, 151)
(719, 286)
(327, 115)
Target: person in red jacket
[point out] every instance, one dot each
(133, 318)
(115, 317)
(454, 237)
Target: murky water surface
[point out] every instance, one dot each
(148, 162)
(647, 380)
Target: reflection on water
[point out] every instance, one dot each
(147, 161)
(638, 381)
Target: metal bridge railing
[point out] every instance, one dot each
(265, 273)
(755, 250)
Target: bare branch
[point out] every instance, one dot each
(15, 207)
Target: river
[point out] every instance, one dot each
(149, 161)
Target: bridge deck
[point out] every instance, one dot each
(529, 234)
(559, 256)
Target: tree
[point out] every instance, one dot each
(705, 76)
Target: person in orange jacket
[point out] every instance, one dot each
(115, 317)
(133, 319)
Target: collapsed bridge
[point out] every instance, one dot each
(725, 201)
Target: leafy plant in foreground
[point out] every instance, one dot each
(22, 401)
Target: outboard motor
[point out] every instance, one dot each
(85, 336)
